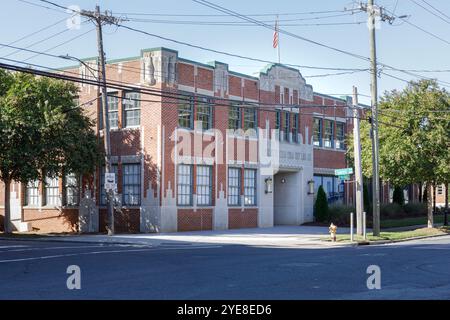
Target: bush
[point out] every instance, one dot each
(340, 214)
(321, 206)
(398, 196)
(392, 211)
(415, 209)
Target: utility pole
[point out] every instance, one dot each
(100, 19)
(358, 169)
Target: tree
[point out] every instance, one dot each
(414, 135)
(398, 196)
(321, 206)
(43, 132)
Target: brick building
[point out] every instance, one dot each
(232, 151)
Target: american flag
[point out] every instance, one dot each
(275, 35)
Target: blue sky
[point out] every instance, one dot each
(399, 45)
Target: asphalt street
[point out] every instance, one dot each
(37, 270)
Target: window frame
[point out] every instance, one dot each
(35, 195)
(286, 125)
(246, 121)
(113, 96)
(52, 195)
(237, 110)
(317, 130)
(135, 184)
(203, 102)
(254, 187)
(190, 185)
(329, 134)
(340, 139)
(75, 190)
(191, 105)
(136, 107)
(209, 187)
(295, 127)
(238, 187)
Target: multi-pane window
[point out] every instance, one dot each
(131, 109)
(71, 189)
(295, 127)
(234, 186)
(317, 125)
(234, 117)
(204, 113)
(250, 187)
(249, 118)
(113, 110)
(278, 123)
(131, 185)
(184, 187)
(102, 183)
(286, 126)
(186, 112)
(328, 134)
(32, 193)
(51, 188)
(204, 185)
(340, 135)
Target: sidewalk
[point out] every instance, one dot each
(279, 236)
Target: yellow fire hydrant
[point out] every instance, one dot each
(333, 230)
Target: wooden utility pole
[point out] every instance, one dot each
(100, 19)
(358, 169)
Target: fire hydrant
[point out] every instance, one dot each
(333, 230)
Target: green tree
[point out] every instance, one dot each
(414, 135)
(398, 196)
(321, 206)
(43, 132)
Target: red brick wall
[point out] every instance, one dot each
(188, 220)
(51, 220)
(242, 219)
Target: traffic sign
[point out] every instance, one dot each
(110, 181)
(344, 177)
(343, 172)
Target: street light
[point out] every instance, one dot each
(91, 70)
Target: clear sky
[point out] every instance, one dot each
(399, 45)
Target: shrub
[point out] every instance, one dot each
(340, 214)
(321, 211)
(414, 209)
(392, 211)
(398, 196)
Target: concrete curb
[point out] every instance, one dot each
(377, 242)
(43, 239)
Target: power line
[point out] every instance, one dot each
(431, 12)
(41, 6)
(437, 10)
(61, 44)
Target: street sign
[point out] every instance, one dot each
(110, 181)
(343, 172)
(344, 177)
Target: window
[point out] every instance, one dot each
(185, 112)
(295, 127)
(71, 188)
(328, 134)
(286, 126)
(51, 191)
(131, 109)
(250, 187)
(278, 123)
(440, 189)
(102, 184)
(131, 184)
(184, 188)
(234, 186)
(234, 117)
(340, 135)
(113, 110)
(32, 193)
(249, 118)
(204, 113)
(204, 185)
(317, 138)
(333, 187)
